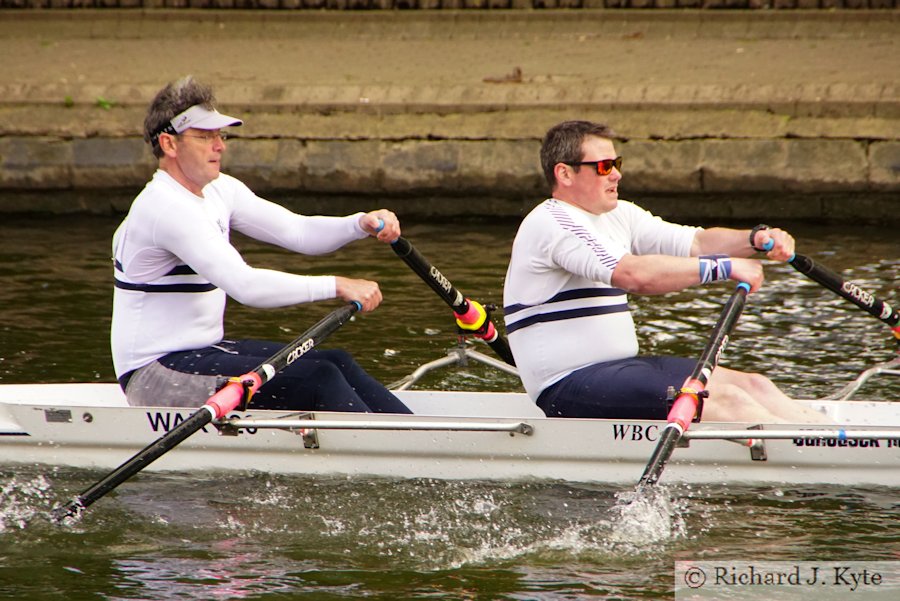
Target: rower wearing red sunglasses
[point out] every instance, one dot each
(575, 259)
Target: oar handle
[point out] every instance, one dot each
(686, 404)
(854, 293)
(471, 316)
(235, 393)
(430, 275)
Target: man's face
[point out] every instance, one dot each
(588, 189)
(199, 157)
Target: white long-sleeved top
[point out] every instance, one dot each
(174, 264)
(561, 311)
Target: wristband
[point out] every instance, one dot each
(714, 268)
(753, 232)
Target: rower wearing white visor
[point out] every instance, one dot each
(175, 267)
(197, 117)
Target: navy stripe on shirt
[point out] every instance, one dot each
(569, 314)
(566, 295)
(177, 270)
(165, 287)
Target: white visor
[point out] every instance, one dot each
(202, 118)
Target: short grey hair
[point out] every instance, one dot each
(175, 98)
(562, 144)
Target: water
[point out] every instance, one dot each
(254, 535)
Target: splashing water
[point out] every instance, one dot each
(647, 517)
(20, 502)
(439, 525)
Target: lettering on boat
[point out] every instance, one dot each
(164, 421)
(833, 442)
(635, 432)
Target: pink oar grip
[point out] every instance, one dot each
(491, 332)
(685, 407)
(231, 395)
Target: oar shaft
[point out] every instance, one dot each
(430, 275)
(661, 454)
(866, 301)
(217, 406)
(138, 462)
(685, 407)
(466, 311)
(686, 402)
(306, 341)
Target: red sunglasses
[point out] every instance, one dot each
(603, 167)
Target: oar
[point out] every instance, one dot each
(687, 401)
(233, 394)
(866, 301)
(471, 316)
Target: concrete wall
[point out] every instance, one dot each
(457, 4)
(822, 150)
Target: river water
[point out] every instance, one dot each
(255, 535)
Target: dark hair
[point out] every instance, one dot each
(562, 144)
(175, 98)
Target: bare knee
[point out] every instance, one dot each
(753, 384)
(757, 384)
(722, 403)
(732, 403)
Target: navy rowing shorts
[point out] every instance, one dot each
(634, 388)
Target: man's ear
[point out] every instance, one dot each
(167, 144)
(563, 175)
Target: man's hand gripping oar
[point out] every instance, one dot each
(854, 293)
(235, 394)
(472, 318)
(688, 403)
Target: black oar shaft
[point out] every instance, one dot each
(145, 457)
(866, 301)
(430, 275)
(660, 457)
(444, 289)
(225, 400)
(306, 341)
(685, 407)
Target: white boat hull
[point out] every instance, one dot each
(90, 426)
